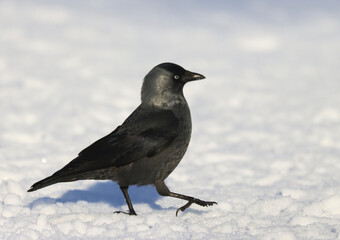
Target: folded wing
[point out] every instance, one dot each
(144, 134)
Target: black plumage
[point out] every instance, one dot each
(147, 147)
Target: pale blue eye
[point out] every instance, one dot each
(176, 77)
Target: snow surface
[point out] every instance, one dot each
(266, 121)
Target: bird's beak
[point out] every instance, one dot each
(191, 76)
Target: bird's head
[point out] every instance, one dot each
(164, 83)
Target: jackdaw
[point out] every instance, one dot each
(149, 144)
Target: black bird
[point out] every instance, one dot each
(147, 147)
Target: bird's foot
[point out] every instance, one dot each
(131, 213)
(197, 201)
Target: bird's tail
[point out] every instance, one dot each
(59, 176)
(43, 183)
(66, 174)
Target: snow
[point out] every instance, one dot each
(266, 121)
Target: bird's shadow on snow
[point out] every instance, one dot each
(105, 192)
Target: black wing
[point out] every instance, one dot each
(146, 133)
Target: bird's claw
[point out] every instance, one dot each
(184, 207)
(197, 201)
(131, 213)
(204, 203)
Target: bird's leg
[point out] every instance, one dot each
(163, 190)
(128, 202)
